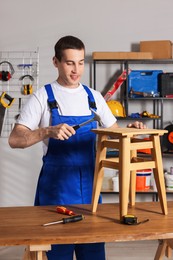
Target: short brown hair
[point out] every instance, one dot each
(67, 42)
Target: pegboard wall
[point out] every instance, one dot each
(19, 78)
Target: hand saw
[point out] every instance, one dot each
(5, 102)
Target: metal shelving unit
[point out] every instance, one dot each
(157, 102)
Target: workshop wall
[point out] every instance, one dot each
(115, 25)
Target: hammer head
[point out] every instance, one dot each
(96, 117)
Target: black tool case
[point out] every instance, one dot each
(165, 84)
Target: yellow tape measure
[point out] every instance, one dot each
(132, 220)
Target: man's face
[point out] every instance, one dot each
(70, 68)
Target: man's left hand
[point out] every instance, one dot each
(137, 124)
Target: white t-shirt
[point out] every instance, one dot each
(71, 102)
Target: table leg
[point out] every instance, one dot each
(160, 253)
(164, 249)
(36, 252)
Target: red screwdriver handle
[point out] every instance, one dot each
(64, 210)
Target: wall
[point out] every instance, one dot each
(113, 26)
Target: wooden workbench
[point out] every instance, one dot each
(23, 225)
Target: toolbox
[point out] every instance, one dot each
(165, 84)
(144, 81)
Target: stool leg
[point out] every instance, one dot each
(99, 171)
(158, 173)
(132, 194)
(124, 174)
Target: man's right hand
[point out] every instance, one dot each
(22, 137)
(61, 132)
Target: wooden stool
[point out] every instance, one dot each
(127, 141)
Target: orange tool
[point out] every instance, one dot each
(64, 210)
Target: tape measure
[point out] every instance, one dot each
(132, 220)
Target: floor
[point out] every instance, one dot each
(135, 250)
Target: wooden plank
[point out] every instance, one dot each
(118, 132)
(121, 55)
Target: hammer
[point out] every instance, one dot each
(95, 118)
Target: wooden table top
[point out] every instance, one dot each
(129, 131)
(24, 225)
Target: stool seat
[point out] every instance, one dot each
(128, 141)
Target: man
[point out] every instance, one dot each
(69, 156)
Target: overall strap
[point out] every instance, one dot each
(51, 100)
(91, 99)
(53, 103)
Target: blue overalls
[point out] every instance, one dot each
(67, 175)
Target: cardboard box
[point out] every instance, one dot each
(121, 55)
(159, 49)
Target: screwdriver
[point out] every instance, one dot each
(66, 220)
(64, 210)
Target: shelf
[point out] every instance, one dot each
(149, 98)
(150, 191)
(121, 55)
(124, 57)
(137, 118)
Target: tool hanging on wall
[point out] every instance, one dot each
(6, 75)
(25, 65)
(5, 102)
(116, 85)
(27, 88)
(19, 109)
(29, 68)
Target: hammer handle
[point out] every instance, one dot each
(76, 127)
(82, 124)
